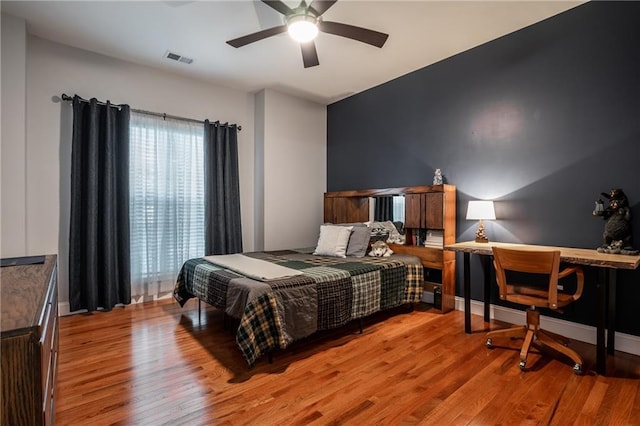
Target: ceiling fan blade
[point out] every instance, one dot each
(321, 6)
(364, 35)
(250, 38)
(309, 54)
(279, 6)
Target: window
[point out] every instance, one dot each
(166, 200)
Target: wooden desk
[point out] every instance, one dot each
(606, 285)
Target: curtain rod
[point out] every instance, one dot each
(66, 97)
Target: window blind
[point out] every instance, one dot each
(166, 200)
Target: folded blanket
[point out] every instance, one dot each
(254, 268)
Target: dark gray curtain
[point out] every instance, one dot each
(383, 209)
(223, 231)
(99, 264)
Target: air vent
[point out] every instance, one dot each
(176, 57)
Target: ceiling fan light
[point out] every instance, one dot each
(302, 28)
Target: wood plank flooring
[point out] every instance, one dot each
(156, 363)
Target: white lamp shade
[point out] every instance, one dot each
(480, 210)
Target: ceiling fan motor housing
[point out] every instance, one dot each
(302, 26)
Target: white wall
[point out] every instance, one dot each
(13, 148)
(36, 143)
(259, 169)
(53, 69)
(295, 169)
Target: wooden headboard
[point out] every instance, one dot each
(427, 208)
(353, 206)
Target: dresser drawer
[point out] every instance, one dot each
(49, 354)
(45, 348)
(48, 330)
(48, 405)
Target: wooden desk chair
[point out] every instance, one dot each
(535, 262)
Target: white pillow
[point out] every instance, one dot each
(333, 240)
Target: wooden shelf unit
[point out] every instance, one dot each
(427, 207)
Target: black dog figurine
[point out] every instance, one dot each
(617, 231)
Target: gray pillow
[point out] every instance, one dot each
(359, 239)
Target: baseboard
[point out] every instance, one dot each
(575, 331)
(64, 309)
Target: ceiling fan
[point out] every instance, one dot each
(303, 24)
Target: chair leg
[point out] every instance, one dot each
(527, 332)
(524, 351)
(546, 338)
(533, 335)
(515, 332)
(518, 332)
(533, 325)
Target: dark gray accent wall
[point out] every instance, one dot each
(541, 120)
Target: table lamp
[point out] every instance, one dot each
(481, 210)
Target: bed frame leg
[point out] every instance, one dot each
(360, 325)
(270, 356)
(199, 309)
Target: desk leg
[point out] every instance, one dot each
(611, 312)
(601, 351)
(467, 293)
(486, 268)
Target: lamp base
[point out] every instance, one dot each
(481, 237)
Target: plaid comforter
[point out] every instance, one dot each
(330, 292)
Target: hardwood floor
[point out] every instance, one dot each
(155, 363)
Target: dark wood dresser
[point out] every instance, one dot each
(29, 332)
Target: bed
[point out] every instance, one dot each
(303, 293)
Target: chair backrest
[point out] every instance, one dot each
(528, 261)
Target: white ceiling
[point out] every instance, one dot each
(421, 33)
